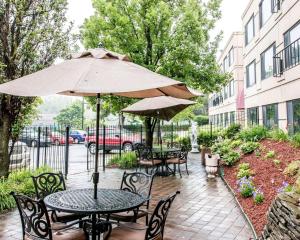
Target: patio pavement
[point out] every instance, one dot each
(203, 211)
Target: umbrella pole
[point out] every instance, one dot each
(96, 173)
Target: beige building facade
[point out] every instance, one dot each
(271, 58)
(271, 64)
(226, 106)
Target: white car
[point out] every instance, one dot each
(20, 155)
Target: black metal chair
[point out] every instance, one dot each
(36, 222)
(181, 158)
(140, 183)
(155, 229)
(146, 160)
(47, 183)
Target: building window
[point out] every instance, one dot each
(231, 88)
(252, 116)
(226, 119)
(251, 74)
(266, 60)
(225, 92)
(250, 30)
(226, 64)
(232, 117)
(231, 56)
(293, 116)
(292, 35)
(265, 11)
(270, 115)
(292, 46)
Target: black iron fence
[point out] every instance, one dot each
(41, 146)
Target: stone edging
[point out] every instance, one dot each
(240, 206)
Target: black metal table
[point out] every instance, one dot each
(163, 154)
(82, 201)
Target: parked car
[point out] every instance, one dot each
(59, 139)
(112, 140)
(31, 139)
(20, 155)
(78, 136)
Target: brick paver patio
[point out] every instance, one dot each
(203, 211)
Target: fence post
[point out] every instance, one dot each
(67, 151)
(45, 152)
(172, 137)
(211, 131)
(142, 133)
(120, 141)
(87, 148)
(103, 148)
(38, 148)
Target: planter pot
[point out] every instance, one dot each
(204, 151)
(211, 165)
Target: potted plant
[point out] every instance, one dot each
(205, 140)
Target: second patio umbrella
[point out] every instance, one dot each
(95, 72)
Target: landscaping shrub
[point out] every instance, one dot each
(292, 169)
(297, 185)
(231, 158)
(286, 187)
(19, 182)
(202, 120)
(235, 143)
(244, 166)
(270, 154)
(222, 148)
(258, 197)
(127, 160)
(276, 162)
(278, 135)
(244, 171)
(206, 138)
(253, 134)
(246, 187)
(232, 130)
(249, 147)
(296, 140)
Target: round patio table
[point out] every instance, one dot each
(163, 154)
(82, 201)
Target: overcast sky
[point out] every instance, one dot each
(232, 11)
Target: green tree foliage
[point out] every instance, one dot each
(32, 35)
(71, 116)
(168, 37)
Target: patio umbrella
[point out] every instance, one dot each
(95, 72)
(164, 108)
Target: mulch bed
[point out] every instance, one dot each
(268, 177)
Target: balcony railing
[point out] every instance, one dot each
(276, 5)
(286, 59)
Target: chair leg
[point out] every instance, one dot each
(174, 167)
(187, 171)
(147, 220)
(179, 170)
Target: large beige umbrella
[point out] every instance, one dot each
(164, 107)
(92, 73)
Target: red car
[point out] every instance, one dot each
(59, 139)
(112, 140)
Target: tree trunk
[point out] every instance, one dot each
(149, 127)
(4, 144)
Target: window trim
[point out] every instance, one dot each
(262, 61)
(257, 115)
(247, 74)
(261, 24)
(247, 41)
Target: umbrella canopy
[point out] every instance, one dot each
(97, 71)
(163, 107)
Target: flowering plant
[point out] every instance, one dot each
(286, 187)
(246, 186)
(258, 196)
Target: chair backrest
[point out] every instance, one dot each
(34, 217)
(137, 182)
(183, 154)
(155, 230)
(47, 183)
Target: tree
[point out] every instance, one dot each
(71, 116)
(168, 37)
(32, 35)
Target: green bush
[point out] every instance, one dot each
(19, 182)
(126, 161)
(232, 130)
(249, 147)
(235, 143)
(278, 135)
(246, 187)
(222, 148)
(206, 138)
(184, 142)
(244, 166)
(296, 140)
(231, 158)
(202, 120)
(270, 154)
(168, 136)
(253, 134)
(276, 162)
(244, 173)
(258, 197)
